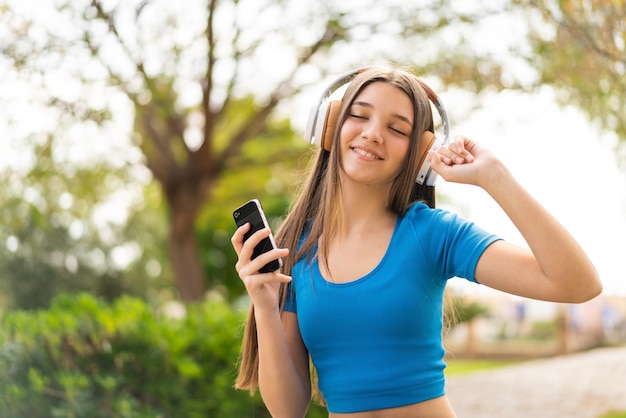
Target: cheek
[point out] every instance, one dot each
(346, 135)
(347, 131)
(402, 149)
(402, 155)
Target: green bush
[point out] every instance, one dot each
(85, 358)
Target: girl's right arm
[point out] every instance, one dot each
(284, 380)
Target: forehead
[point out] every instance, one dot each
(385, 97)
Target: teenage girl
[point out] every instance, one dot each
(367, 256)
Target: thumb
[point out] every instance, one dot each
(438, 165)
(435, 161)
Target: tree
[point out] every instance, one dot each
(579, 47)
(182, 73)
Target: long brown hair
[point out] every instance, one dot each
(318, 207)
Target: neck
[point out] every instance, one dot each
(364, 206)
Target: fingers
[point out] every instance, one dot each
(465, 161)
(246, 265)
(258, 281)
(452, 161)
(263, 288)
(439, 162)
(237, 239)
(456, 152)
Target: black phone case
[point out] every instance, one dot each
(253, 212)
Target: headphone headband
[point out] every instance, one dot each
(323, 118)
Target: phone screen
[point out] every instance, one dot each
(252, 212)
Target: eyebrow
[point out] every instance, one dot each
(395, 115)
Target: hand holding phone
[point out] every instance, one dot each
(252, 212)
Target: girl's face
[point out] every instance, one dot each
(374, 138)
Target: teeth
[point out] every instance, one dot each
(365, 153)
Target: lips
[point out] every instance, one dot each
(366, 153)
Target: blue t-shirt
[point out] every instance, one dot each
(376, 342)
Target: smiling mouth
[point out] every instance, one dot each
(366, 153)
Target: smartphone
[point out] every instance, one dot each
(253, 212)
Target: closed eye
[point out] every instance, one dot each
(398, 131)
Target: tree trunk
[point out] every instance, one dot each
(188, 271)
(187, 268)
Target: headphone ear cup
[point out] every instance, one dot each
(330, 124)
(427, 142)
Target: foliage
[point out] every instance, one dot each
(59, 242)
(579, 47)
(61, 236)
(256, 173)
(85, 358)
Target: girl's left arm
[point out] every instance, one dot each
(555, 267)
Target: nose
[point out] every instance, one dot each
(373, 131)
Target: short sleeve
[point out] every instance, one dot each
(451, 242)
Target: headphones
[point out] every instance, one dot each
(324, 116)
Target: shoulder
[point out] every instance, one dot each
(425, 227)
(439, 225)
(420, 214)
(453, 243)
